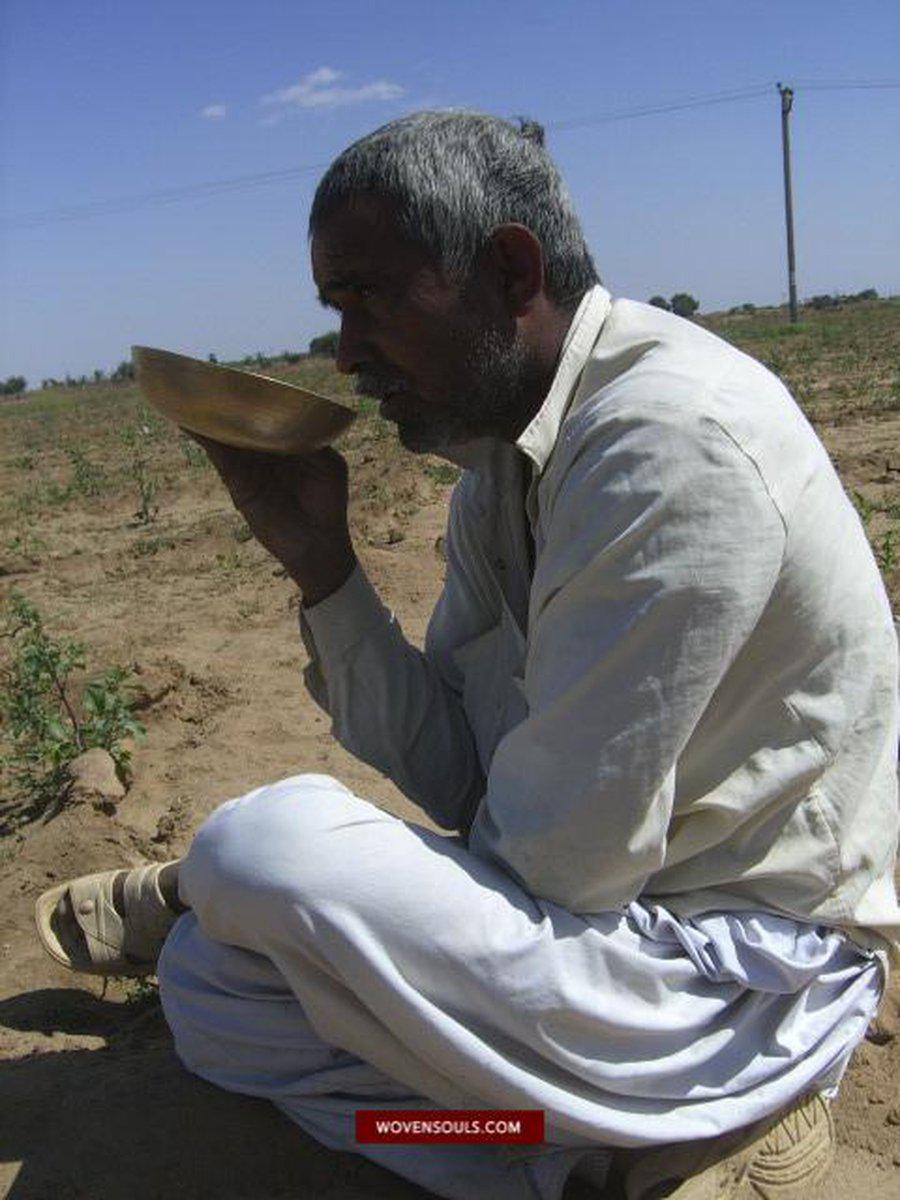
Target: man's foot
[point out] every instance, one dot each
(112, 922)
(784, 1158)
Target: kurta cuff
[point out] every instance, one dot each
(338, 622)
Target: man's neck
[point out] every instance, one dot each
(544, 333)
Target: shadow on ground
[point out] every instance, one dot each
(124, 1121)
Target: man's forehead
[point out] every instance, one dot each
(363, 236)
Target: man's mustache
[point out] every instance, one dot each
(378, 385)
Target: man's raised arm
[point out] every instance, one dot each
(389, 705)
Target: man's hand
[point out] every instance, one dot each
(296, 506)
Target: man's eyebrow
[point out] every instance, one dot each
(364, 277)
(337, 284)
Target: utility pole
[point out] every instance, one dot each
(787, 100)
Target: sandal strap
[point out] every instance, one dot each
(93, 909)
(111, 940)
(148, 918)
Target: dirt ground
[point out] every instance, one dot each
(94, 1104)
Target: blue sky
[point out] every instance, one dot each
(106, 99)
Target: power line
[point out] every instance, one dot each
(239, 183)
(814, 85)
(649, 110)
(132, 203)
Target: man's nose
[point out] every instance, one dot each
(351, 354)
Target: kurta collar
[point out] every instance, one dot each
(539, 437)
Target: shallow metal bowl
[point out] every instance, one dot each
(238, 408)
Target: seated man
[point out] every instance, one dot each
(657, 706)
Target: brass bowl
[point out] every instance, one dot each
(238, 408)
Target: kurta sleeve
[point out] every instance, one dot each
(389, 702)
(661, 547)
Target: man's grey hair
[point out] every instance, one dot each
(453, 177)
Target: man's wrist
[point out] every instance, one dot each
(323, 580)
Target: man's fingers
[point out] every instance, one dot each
(254, 477)
(225, 458)
(234, 458)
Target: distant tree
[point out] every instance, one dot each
(659, 302)
(824, 301)
(326, 345)
(13, 385)
(683, 304)
(99, 376)
(123, 372)
(212, 358)
(866, 294)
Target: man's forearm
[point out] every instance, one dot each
(388, 703)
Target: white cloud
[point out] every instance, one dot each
(213, 112)
(318, 90)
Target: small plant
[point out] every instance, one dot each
(45, 725)
(228, 563)
(148, 546)
(38, 496)
(442, 472)
(87, 478)
(886, 554)
(864, 507)
(28, 544)
(140, 993)
(136, 439)
(151, 424)
(195, 456)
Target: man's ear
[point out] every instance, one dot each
(517, 258)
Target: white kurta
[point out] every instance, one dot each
(673, 742)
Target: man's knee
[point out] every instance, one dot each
(277, 846)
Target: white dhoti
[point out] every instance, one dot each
(337, 958)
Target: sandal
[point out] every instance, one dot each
(88, 934)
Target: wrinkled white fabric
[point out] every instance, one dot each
(337, 958)
(694, 695)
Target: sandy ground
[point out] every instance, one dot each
(94, 1103)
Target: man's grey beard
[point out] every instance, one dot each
(496, 378)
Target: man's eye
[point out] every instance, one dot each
(365, 291)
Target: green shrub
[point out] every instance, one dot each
(45, 725)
